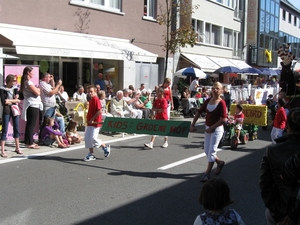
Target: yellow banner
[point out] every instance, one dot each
(254, 114)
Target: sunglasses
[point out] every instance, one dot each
(14, 80)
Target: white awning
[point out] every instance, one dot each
(221, 61)
(36, 41)
(239, 63)
(202, 61)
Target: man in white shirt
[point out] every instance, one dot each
(79, 95)
(194, 87)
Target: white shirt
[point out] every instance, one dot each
(64, 96)
(193, 84)
(80, 97)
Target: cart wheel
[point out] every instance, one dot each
(254, 135)
(264, 127)
(245, 138)
(234, 142)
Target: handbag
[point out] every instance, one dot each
(15, 110)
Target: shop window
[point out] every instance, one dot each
(150, 8)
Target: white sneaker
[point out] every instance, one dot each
(89, 157)
(150, 145)
(106, 151)
(165, 144)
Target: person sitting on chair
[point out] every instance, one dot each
(239, 118)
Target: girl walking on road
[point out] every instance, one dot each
(216, 114)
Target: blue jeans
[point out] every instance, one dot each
(60, 120)
(5, 122)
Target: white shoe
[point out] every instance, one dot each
(150, 145)
(165, 145)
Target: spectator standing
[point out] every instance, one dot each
(215, 197)
(48, 95)
(279, 122)
(216, 114)
(9, 96)
(99, 81)
(194, 87)
(108, 82)
(168, 95)
(227, 98)
(32, 104)
(276, 192)
(94, 120)
(160, 106)
(79, 95)
(175, 91)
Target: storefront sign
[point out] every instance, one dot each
(18, 71)
(254, 114)
(142, 126)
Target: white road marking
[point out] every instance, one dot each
(183, 161)
(60, 150)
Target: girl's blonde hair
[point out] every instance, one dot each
(101, 94)
(49, 120)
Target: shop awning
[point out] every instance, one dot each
(221, 61)
(36, 41)
(239, 63)
(202, 61)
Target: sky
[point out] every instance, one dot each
(296, 3)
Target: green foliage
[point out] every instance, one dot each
(174, 36)
(183, 35)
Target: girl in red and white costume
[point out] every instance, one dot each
(216, 114)
(279, 122)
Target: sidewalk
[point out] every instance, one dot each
(105, 137)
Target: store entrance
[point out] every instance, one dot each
(70, 77)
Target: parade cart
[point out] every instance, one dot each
(255, 116)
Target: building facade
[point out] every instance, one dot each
(77, 39)
(221, 29)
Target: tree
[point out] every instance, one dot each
(176, 36)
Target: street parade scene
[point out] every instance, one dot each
(150, 112)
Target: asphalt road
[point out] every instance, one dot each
(132, 186)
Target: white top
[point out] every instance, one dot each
(193, 84)
(239, 220)
(80, 97)
(64, 96)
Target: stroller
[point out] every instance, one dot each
(60, 106)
